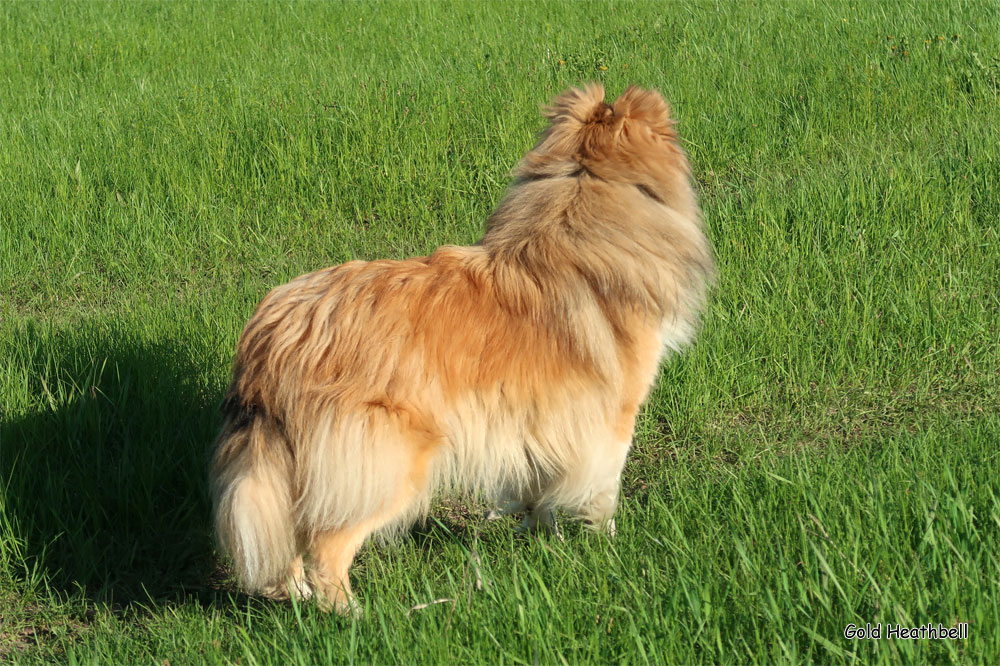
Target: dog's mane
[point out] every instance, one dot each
(603, 202)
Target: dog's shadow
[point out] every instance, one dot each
(103, 478)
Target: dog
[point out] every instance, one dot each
(514, 367)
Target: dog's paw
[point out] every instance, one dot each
(277, 592)
(341, 605)
(507, 509)
(298, 588)
(302, 588)
(538, 521)
(606, 526)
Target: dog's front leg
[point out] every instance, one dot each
(541, 518)
(508, 508)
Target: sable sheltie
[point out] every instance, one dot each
(514, 367)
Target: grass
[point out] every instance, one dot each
(825, 454)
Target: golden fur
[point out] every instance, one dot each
(514, 367)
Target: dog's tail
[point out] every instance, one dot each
(251, 483)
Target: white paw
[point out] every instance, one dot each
(302, 588)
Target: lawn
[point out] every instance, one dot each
(826, 453)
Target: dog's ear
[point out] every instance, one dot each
(579, 105)
(646, 107)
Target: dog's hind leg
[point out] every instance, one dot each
(405, 483)
(333, 551)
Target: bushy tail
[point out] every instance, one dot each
(252, 499)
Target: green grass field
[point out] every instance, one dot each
(825, 454)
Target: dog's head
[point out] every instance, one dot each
(630, 140)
